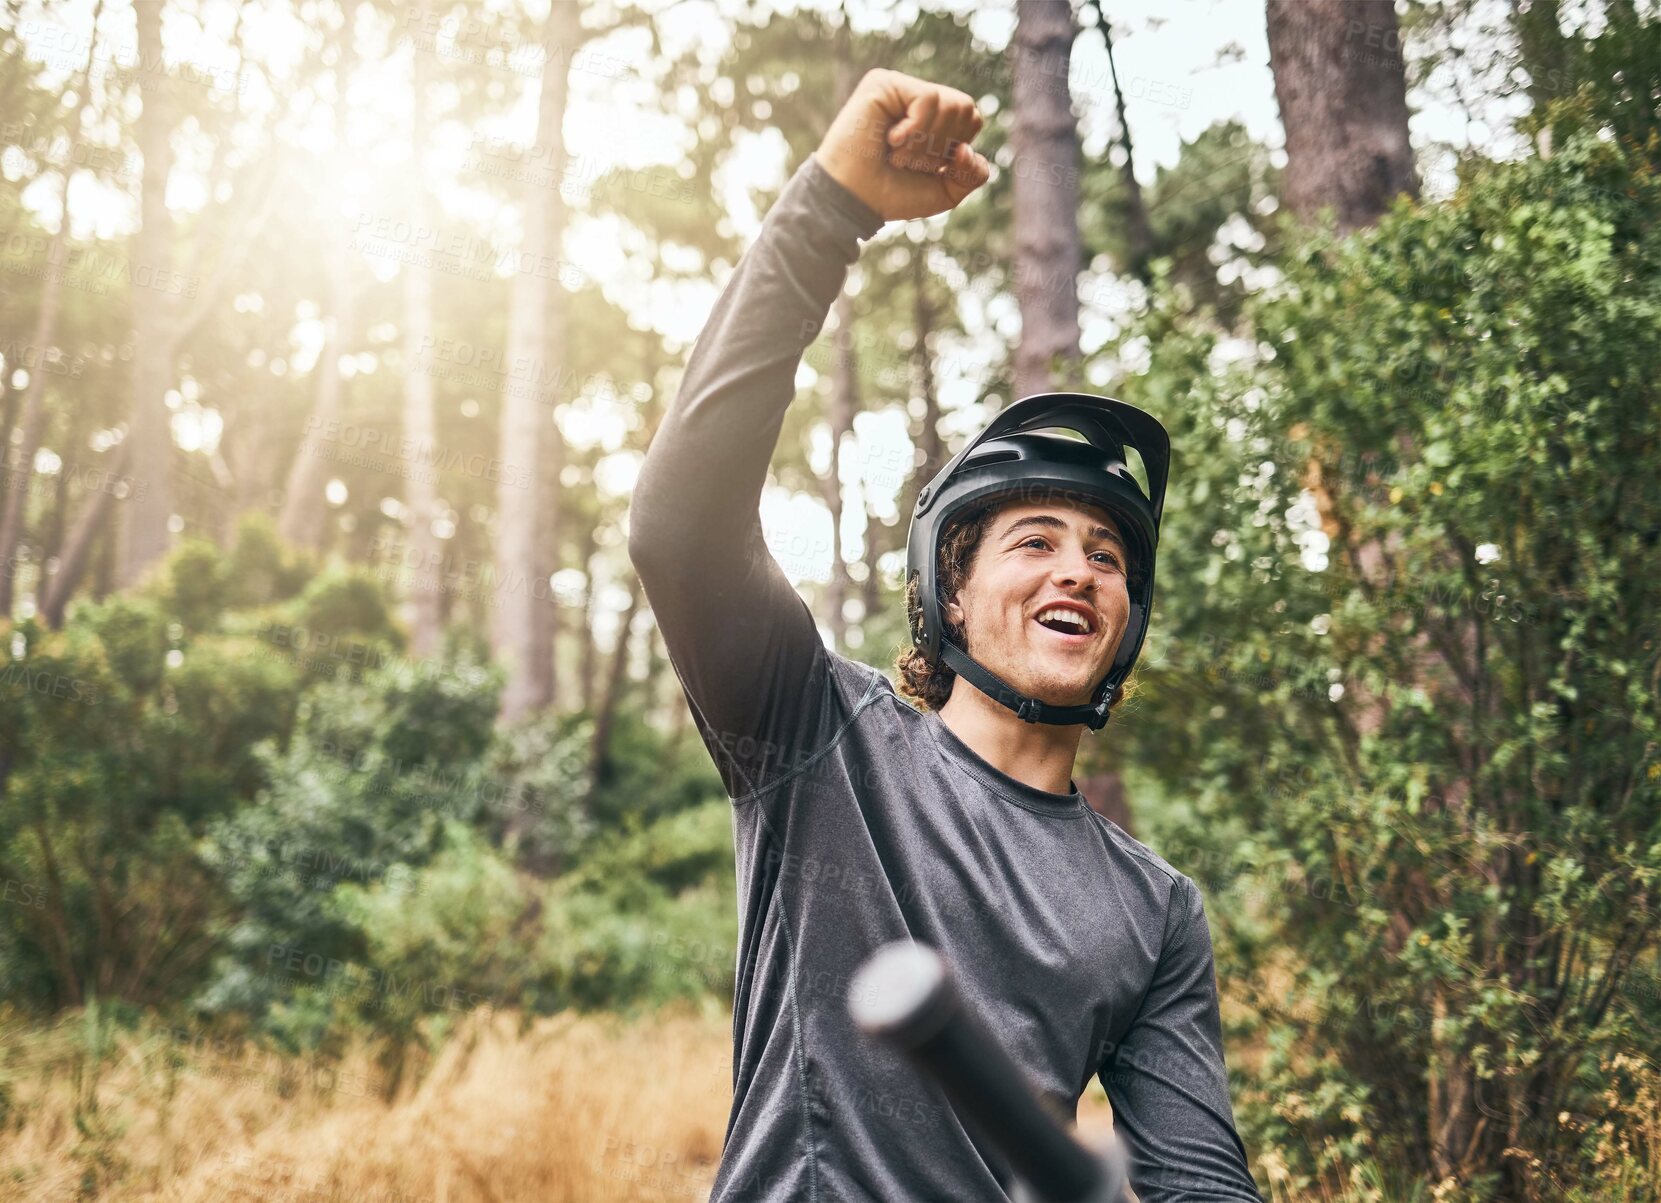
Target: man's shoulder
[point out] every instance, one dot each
(868, 697)
(859, 680)
(1155, 864)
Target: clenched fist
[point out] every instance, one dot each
(901, 145)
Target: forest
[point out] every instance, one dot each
(356, 840)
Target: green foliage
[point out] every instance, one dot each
(539, 773)
(261, 568)
(118, 748)
(133, 632)
(339, 626)
(435, 714)
(646, 919)
(447, 939)
(195, 585)
(1223, 183)
(348, 601)
(649, 918)
(678, 852)
(221, 702)
(1429, 683)
(362, 792)
(1606, 83)
(645, 777)
(380, 875)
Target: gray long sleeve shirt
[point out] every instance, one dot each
(859, 819)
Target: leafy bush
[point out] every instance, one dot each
(646, 777)
(361, 794)
(134, 634)
(539, 772)
(121, 738)
(647, 918)
(551, 810)
(263, 569)
(339, 627)
(194, 587)
(1408, 654)
(444, 940)
(220, 702)
(349, 601)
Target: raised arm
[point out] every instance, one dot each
(1167, 1081)
(740, 638)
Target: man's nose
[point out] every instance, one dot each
(1072, 568)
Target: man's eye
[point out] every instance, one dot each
(1038, 539)
(1111, 558)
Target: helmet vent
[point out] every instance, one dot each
(998, 456)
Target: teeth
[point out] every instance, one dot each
(1062, 615)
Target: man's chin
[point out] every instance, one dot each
(1053, 691)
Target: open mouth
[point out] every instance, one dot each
(1066, 622)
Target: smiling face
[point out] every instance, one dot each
(1047, 599)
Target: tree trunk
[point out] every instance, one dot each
(74, 558)
(875, 547)
(1454, 1124)
(51, 535)
(144, 536)
(550, 613)
(1340, 82)
(1048, 250)
(1341, 85)
(20, 472)
(1105, 794)
(244, 446)
(21, 476)
(8, 417)
(305, 512)
(522, 615)
(305, 508)
(657, 658)
(680, 714)
(159, 330)
(616, 680)
(104, 548)
(590, 651)
(1544, 50)
(420, 426)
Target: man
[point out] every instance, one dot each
(861, 817)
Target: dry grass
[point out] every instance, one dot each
(570, 1109)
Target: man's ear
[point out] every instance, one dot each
(954, 613)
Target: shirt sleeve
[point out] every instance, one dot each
(1167, 1081)
(740, 638)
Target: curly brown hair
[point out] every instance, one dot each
(930, 685)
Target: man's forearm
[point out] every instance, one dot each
(694, 509)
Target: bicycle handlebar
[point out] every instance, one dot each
(904, 994)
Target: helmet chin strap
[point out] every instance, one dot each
(1094, 715)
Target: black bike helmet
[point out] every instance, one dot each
(1007, 462)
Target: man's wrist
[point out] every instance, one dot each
(867, 218)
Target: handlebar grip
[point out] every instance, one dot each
(904, 994)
